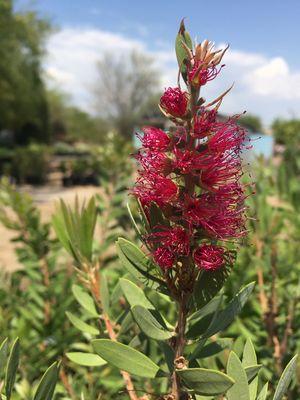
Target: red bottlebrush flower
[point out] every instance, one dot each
(154, 139)
(185, 160)
(220, 171)
(174, 102)
(164, 258)
(204, 123)
(155, 162)
(219, 219)
(200, 73)
(210, 257)
(191, 161)
(174, 238)
(227, 136)
(151, 187)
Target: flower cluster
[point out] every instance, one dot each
(192, 175)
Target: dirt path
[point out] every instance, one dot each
(45, 198)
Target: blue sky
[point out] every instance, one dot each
(263, 36)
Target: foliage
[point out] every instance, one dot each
(43, 390)
(286, 131)
(30, 164)
(106, 162)
(270, 255)
(33, 302)
(71, 123)
(23, 105)
(251, 122)
(150, 325)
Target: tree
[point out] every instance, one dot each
(125, 84)
(23, 106)
(251, 122)
(287, 131)
(67, 120)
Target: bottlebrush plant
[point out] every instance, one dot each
(169, 306)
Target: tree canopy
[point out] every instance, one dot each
(23, 106)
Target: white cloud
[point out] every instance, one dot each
(265, 86)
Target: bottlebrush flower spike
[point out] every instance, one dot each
(192, 176)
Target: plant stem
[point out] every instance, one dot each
(179, 345)
(95, 290)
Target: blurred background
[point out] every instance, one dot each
(77, 80)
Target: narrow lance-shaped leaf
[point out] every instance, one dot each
(249, 363)
(208, 285)
(85, 300)
(240, 390)
(134, 295)
(182, 39)
(104, 294)
(81, 325)
(3, 354)
(136, 262)
(149, 324)
(263, 393)
(285, 379)
(11, 369)
(46, 387)
(125, 358)
(205, 381)
(227, 316)
(86, 359)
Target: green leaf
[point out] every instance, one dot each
(46, 387)
(104, 294)
(125, 358)
(285, 379)
(249, 363)
(249, 354)
(252, 371)
(86, 359)
(134, 295)
(205, 381)
(136, 228)
(149, 324)
(240, 390)
(3, 354)
(85, 300)
(75, 228)
(227, 316)
(11, 369)
(214, 348)
(136, 262)
(168, 354)
(209, 308)
(181, 53)
(208, 285)
(81, 325)
(263, 393)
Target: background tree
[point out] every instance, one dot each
(251, 122)
(23, 106)
(69, 122)
(125, 84)
(286, 131)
